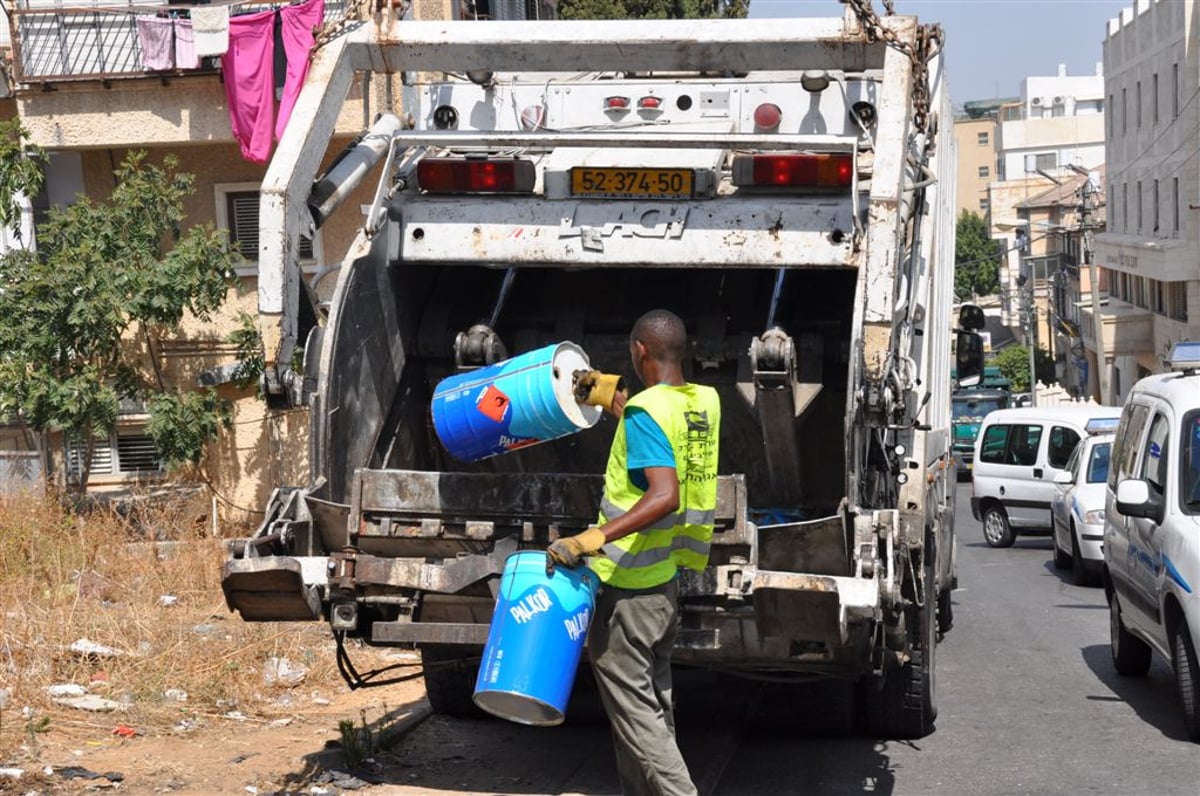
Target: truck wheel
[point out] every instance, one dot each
(903, 705)
(450, 673)
(1130, 655)
(945, 611)
(996, 530)
(1187, 676)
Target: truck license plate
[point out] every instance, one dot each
(638, 183)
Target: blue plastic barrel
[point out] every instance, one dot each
(513, 404)
(537, 635)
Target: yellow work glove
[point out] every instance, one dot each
(570, 550)
(598, 389)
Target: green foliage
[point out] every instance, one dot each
(20, 171)
(653, 9)
(1013, 362)
(103, 271)
(250, 355)
(976, 258)
(181, 423)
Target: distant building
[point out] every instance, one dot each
(1057, 123)
(1151, 248)
(975, 140)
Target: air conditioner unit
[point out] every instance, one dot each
(1036, 101)
(1058, 100)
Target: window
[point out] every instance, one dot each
(1011, 444)
(1111, 116)
(1154, 101)
(1047, 161)
(1097, 470)
(984, 204)
(982, 138)
(1125, 446)
(1154, 454)
(1124, 113)
(1158, 301)
(984, 171)
(1154, 203)
(237, 212)
(995, 442)
(1190, 485)
(1175, 207)
(1062, 444)
(1137, 104)
(1124, 207)
(1139, 206)
(1177, 301)
(1174, 91)
(127, 452)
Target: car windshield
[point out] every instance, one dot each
(1097, 471)
(973, 408)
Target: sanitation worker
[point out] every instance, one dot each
(656, 516)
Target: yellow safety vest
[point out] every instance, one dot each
(690, 417)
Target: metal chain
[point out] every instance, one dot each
(928, 42)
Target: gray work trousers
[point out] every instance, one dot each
(630, 644)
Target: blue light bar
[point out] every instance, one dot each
(1101, 425)
(1185, 356)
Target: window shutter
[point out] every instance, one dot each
(136, 454)
(242, 212)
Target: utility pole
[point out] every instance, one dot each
(1087, 225)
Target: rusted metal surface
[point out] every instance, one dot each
(269, 589)
(429, 633)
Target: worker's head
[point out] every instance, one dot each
(659, 342)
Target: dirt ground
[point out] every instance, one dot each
(294, 747)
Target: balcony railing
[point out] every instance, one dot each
(100, 43)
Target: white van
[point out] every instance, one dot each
(1018, 453)
(1151, 569)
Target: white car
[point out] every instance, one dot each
(1077, 509)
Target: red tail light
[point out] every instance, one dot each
(650, 102)
(475, 175)
(616, 103)
(794, 171)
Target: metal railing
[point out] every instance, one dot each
(101, 43)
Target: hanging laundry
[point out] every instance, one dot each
(185, 45)
(248, 75)
(154, 37)
(298, 25)
(211, 27)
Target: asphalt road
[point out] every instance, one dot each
(1028, 704)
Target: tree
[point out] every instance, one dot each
(79, 319)
(1013, 362)
(976, 258)
(20, 172)
(652, 9)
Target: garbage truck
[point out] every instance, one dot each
(783, 185)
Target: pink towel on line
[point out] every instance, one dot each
(297, 23)
(247, 67)
(185, 45)
(154, 37)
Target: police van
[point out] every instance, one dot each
(1151, 569)
(1018, 454)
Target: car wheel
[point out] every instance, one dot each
(996, 530)
(1187, 676)
(1130, 655)
(1079, 571)
(945, 611)
(1061, 560)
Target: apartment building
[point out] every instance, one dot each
(975, 141)
(89, 87)
(1151, 248)
(1057, 123)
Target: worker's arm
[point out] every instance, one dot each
(660, 500)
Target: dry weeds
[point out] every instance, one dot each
(179, 657)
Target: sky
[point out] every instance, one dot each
(992, 45)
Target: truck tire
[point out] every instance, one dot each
(945, 611)
(1187, 676)
(903, 705)
(450, 673)
(1130, 655)
(996, 530)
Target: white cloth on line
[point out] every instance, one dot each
(210, 24)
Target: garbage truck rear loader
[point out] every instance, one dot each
(783, 185)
